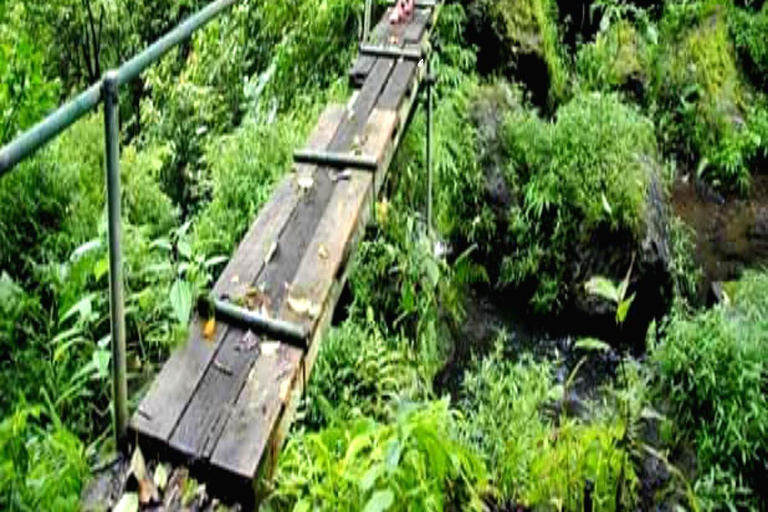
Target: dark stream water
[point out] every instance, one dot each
(731, 232)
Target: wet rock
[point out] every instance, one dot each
(490, 106)
(519, 38)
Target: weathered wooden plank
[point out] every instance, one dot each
(241, 449)
(297, 235)
(160, 411)
(398, 86)
(203, 419)
(210, 408)
(415, 29)
(387, 34)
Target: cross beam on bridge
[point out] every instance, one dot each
(223, 404)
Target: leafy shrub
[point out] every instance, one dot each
(413, 463)
(712, 376)
(245, 165)
(563, 181)
(51, 203)
(687, 273)
(360, 372)
(398, 276)
(40, 469)
(536, 461)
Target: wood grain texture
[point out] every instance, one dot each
(167, 400)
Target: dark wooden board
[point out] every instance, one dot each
(167, 399)
(242, 447)
(387, 34)
(209, 410)
(398, 86)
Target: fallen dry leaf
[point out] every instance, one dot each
(235, 279)
(304, 307)
(209, 329)
(269, 348)
(285, 391)
(322, 251)
(148, 492)
(305, 181)
(248, 342)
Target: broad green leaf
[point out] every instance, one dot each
(380, 501)
(181, 300)
(623, 309)
(303, 505)
(592, 344)
(607, 206)
(101, 268)
(84, 249)
(603, 287)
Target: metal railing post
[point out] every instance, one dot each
(116, 302)
(430, 85)
(367, 20)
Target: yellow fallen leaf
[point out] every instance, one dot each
(322, 251)
(209, 329)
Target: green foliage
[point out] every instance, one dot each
(26, 93)
(537, 461)
(698, 82)
(687, 273)
(40, 468)
(589, 170)
(712, 371)
(415, 462)
(398, 276)
(245, 165)
(361, 372)
(618, 60)
(748, 30)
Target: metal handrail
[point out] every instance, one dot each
(107, 90)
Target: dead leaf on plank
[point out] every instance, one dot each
(269, 348)
(148, 492)
(285, 391)
(209, 329)
(248, 342)
(322, 251)
(304, 307)
(235, 279)
(305, 181)
(271, 253)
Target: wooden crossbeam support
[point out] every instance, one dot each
(289, 332)
(391, 51)
(338, 159)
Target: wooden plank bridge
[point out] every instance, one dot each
(223, 403)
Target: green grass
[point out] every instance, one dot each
(712, 378)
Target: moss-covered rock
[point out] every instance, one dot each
(702, 98)
(618, 60)
(566, 200)
(520, 38)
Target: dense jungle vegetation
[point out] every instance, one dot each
(561, 129)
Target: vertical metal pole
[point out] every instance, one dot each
(367, 20)
(116, 304)
(430, 84)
